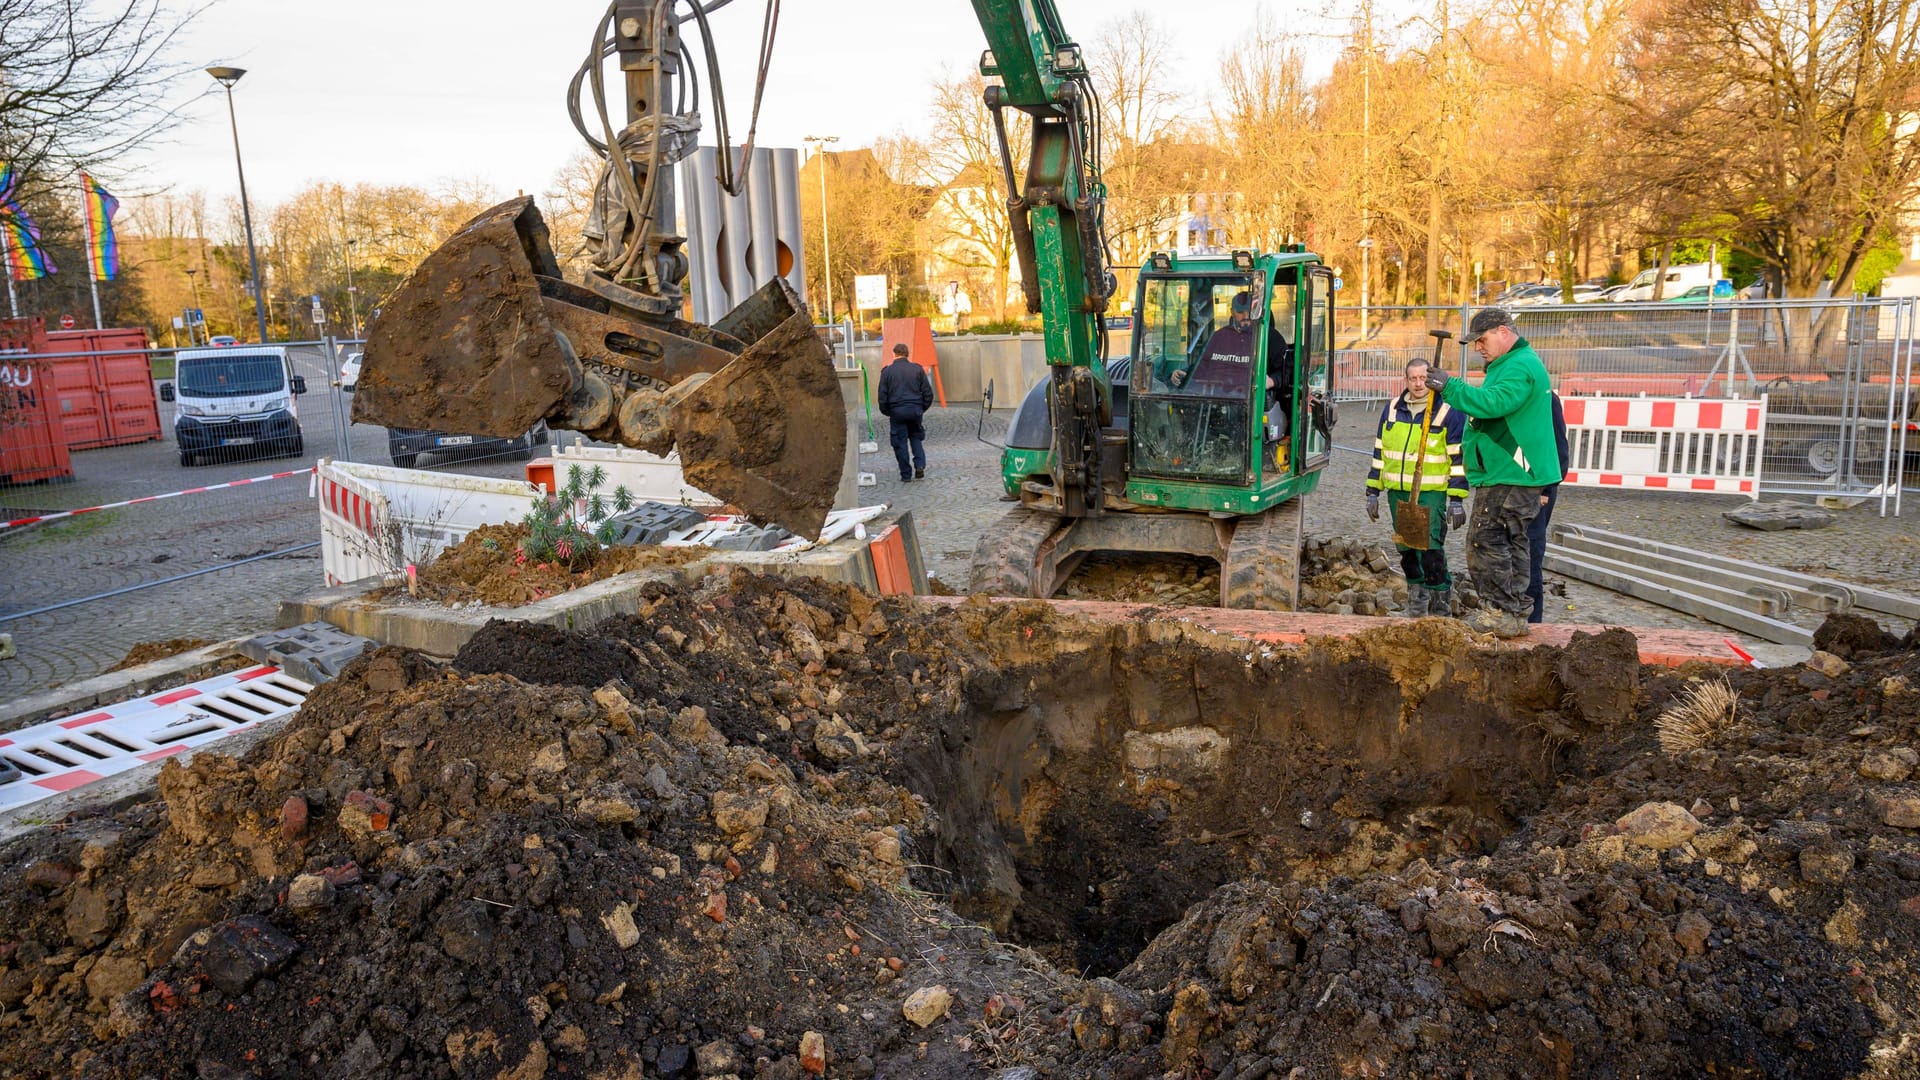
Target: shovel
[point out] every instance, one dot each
(486, 338)
(1412, 522)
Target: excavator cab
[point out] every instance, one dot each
(1226, 423)
(1230, 366)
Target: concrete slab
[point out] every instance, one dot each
(439, 630)
(1666, 648)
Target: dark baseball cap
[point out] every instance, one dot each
(1243, 302)
(1484, 320)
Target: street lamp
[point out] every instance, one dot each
(227, 76)
(826, 252)
(193, 280)
(353, 298)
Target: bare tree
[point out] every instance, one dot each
(872, 216)
(960, 163)
(1795, 120)
(1143, 116)
(1265, 116)
(1553, 66)
(81, 82)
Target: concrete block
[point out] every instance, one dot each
(311, 652)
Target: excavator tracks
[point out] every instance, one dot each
(1007, 557)
(1262, 567)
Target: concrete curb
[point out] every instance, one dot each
(112, 686)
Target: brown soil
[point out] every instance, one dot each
(763, 808)
(148, 651)
(482, 568)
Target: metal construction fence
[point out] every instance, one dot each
(1843, 417)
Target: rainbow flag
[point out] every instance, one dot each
(19, 236)
(103, 251)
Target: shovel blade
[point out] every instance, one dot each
(768, 432)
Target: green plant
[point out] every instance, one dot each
(570, 526)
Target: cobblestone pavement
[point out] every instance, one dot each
(112, 550)
(117, 549)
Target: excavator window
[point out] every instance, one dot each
(1196, 345)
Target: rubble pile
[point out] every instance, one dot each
(779, 828)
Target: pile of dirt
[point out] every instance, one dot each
(1166, 580)
(148, 651)
(781, 828)
(487, 567)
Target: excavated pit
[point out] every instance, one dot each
(1104, 781)
(729, 835)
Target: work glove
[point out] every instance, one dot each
(1373, 506)
(1437, 379)
(1456, 513)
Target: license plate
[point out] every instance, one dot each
(241, 441)
(453, 440)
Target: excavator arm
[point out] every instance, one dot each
(1056, 210)
(487, 337)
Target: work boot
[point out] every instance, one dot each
(1417, 602)
(1439, 603)
(1491, 620)
(919, 474)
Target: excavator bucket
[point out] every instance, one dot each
(486, 338)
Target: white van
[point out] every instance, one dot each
(1679, 279)
(234, 400)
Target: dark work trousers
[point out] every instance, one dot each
(1498, 551)
(1425, 568)
(904, 428)
(1537, 553)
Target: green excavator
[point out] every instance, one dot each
(1204, 440)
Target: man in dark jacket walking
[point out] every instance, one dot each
(905, 396)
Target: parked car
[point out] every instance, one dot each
(405, 445)
(1679, 279)
(1587, 294)
(235, 401)
(223, 339)
(1719, 290)
(350, 372)
(1544, 293)
(1612, 292)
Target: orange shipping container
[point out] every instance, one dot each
(32, 445)
(106, 399)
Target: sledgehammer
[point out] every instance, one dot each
(1440, 339)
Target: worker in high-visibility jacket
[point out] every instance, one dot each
(1410, 442)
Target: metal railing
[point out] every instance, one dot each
(1843, 417)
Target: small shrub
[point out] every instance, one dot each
(570, 526)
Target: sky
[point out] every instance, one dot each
(427, 92)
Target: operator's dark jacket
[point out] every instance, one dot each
(905, 391)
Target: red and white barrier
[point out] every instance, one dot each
(61, 755)
(375, 520)
(1666, 444)
(16, 522)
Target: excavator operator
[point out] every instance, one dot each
(1222, 371)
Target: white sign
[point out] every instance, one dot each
(869, 291)
(319, 313)
(179, 323)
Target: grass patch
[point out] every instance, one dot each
(162, 367)
(75, 528)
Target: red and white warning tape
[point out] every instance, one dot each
(15, 523)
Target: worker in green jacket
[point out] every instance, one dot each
(1511, 457)
(1417, 456)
